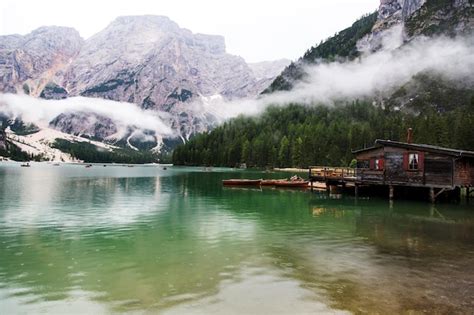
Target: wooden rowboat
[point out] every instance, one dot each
(289, 183)
(270, 182)
(241, 182)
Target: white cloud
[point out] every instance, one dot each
(378, 72)
(41, 112)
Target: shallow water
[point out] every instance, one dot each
(147, 240)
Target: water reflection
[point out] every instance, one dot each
(128, 241)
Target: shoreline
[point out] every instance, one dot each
(292, 169)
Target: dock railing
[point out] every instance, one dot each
(325, 173)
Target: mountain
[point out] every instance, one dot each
(438, 105)
(342, 45)
(411, 18)
(266, 71)
(28, 63)
(146, 60)
(152, 62)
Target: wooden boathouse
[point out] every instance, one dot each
(398, 165)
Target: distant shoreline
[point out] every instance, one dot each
(292, 169)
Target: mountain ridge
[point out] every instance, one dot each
(146, 60)
(437, 105)
(417, 17)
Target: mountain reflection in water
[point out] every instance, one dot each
(143, 239)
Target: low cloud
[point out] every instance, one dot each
(378, 73)
(371, 74)
(124, 115)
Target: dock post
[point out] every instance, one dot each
(468, 192)
(311, 185)
(391, 192)
(432, 195)
(356, 191)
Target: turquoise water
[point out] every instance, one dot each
(146, 240)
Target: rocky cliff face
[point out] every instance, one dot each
(406, 19)
(28, 63)
(392, 15)
(84, 124)
(146, 60)
(396, 11)
(151, 61)
(448, 17)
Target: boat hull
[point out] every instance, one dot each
(290, 184)
(241, 182)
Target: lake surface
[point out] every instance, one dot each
(147, 240)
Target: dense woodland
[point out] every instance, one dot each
(14, 153)
(301, 136)
(440, 112)
(91, 154)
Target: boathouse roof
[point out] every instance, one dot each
(419, 147)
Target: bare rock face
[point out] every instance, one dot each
(393, 12)
(28, 63)
(392, 15)
(151, 61)
(400, 20)
(449, 18)
(146, 60)
(84, 125)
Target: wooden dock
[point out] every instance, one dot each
(400, 167)
(332, 175)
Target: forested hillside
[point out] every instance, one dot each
(439, 109)
(341, 45)
(301, 136)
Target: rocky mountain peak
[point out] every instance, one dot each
(29, 62)
(54, 39)
(159, 21)
(147, 60)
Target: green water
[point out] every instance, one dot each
(147, 240)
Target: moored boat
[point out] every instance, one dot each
(289, 183)
(241, 182)
(270, 182)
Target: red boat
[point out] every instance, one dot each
(289, 183)
(270, 182)
(241, 182)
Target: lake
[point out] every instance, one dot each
(147, 240)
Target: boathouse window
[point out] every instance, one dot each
(413, 161)
(378, 164)
(363, 164)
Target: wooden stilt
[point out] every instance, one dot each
(391, 192)
(356, 191)
(432, 195)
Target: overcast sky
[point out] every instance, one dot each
(254, 29)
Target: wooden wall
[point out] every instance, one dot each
(436, 169)
(464, 172)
